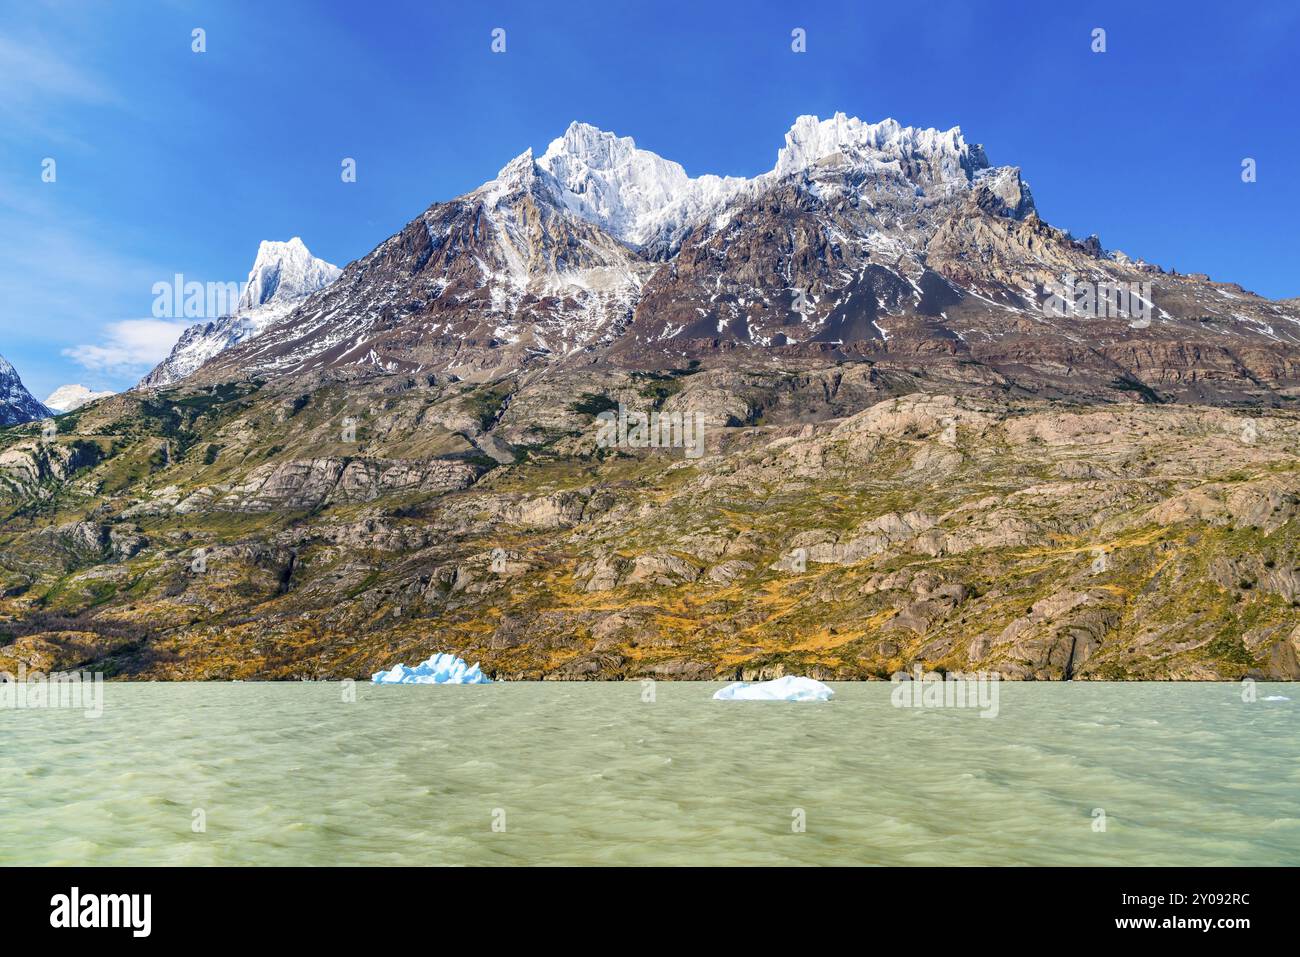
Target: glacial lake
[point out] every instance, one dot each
(578, 773)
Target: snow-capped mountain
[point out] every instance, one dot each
(549, 257)
(17, 405)
(862, 239)
(283, 274)
(68, 397)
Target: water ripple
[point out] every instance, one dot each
(577, 774)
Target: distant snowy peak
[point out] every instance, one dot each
(645, 200)
(283, 273)
(17, 405)
(68, 397)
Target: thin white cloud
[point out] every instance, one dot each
(130, 347)
(38, 81)
(33, 73)
(63, 276)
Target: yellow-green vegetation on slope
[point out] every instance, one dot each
(330, 527)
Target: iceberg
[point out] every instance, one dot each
(439, 669)
(789, 688)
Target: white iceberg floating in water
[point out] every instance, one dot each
(789, 688)
(438, 670)
(1275, 697)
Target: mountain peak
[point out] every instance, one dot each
(596, 148)
(812, 141)
(283, 272)
(521, 163)
(273, 250)
(635, 194)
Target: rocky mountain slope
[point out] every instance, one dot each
(843, 525)
(283, 274)
(16, 403)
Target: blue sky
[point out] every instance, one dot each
(173, 161)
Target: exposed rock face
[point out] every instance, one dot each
(87, 543)
(475, 287)
(310, 484)
(1060, 633)
(35, 469)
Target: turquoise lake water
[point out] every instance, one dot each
(590, 773)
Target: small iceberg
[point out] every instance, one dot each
(1275, 697)
(438, 670)
(789, 688)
